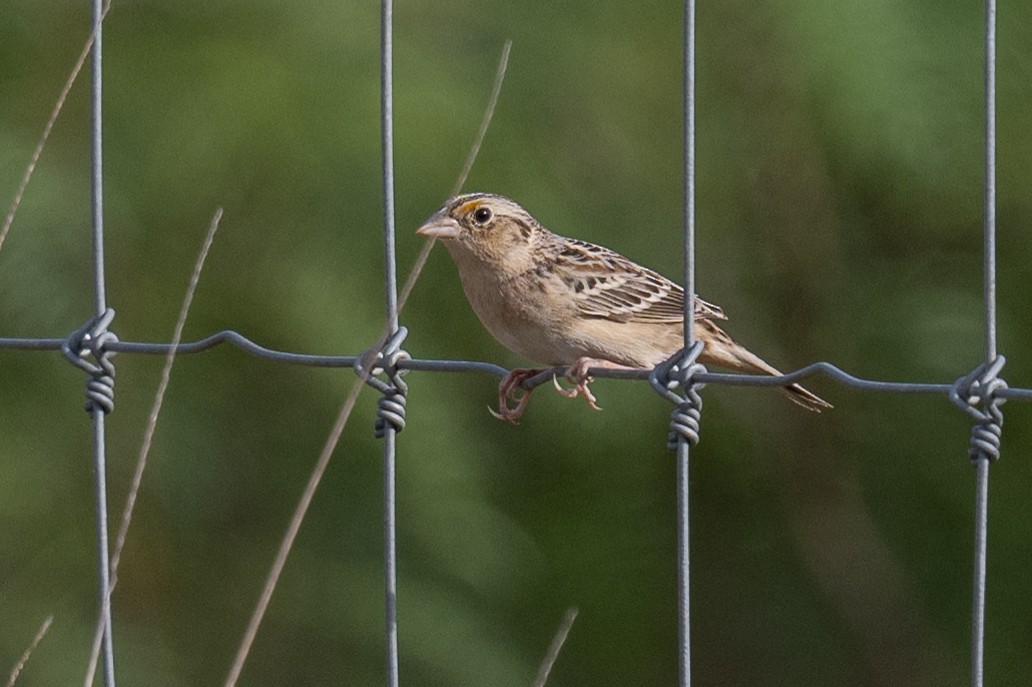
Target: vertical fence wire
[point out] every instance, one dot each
(99, 458)
(982, 462)
(979, 570)
(96, 136)
(387, 150)
(990, 182)
(390, 553)
(683, 447)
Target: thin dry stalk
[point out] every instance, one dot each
(28, 651)
(148, 434)
(345, 412)
(424, 253)
(291, 534)
(31, 167)
(555, 647)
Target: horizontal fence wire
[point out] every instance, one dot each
(241, 342)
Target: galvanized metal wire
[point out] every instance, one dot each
(983, 458)
(100, 389)
(979, 393)
(684, 431)
(388, 430)
(239, 341)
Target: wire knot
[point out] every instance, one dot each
(92, 340)
(977, 394)
(679, 371)
(393, 392)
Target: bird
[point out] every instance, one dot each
(564, 302)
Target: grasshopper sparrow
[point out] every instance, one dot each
(564, 302)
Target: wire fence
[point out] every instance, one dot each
(979, 393)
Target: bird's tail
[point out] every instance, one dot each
(722, 350)
(803, 397)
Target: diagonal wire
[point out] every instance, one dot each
(335, 433)
(30, 169)
(148, 435)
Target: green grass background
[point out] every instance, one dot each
(840, 215)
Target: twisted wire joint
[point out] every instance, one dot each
(978, 395)
(393, 392)
(676, 372)
(92, 340)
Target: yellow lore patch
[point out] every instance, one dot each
(468, 207)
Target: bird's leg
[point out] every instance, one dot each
(510, 389)
(578, 375)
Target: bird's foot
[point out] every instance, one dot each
(579, 377)
(511, 389)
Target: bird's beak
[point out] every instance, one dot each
(440, 228)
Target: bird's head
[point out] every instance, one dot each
(486, 228)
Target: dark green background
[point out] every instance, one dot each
(840, 215)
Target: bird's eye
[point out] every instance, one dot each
(482, 215)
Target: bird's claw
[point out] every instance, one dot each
(510, 389)
(510, 413)
(568, 393)
(578, 376)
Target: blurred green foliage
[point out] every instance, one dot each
(840, 213)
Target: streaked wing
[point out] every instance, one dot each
(605, 284)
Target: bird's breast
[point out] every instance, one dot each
(520, 315)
